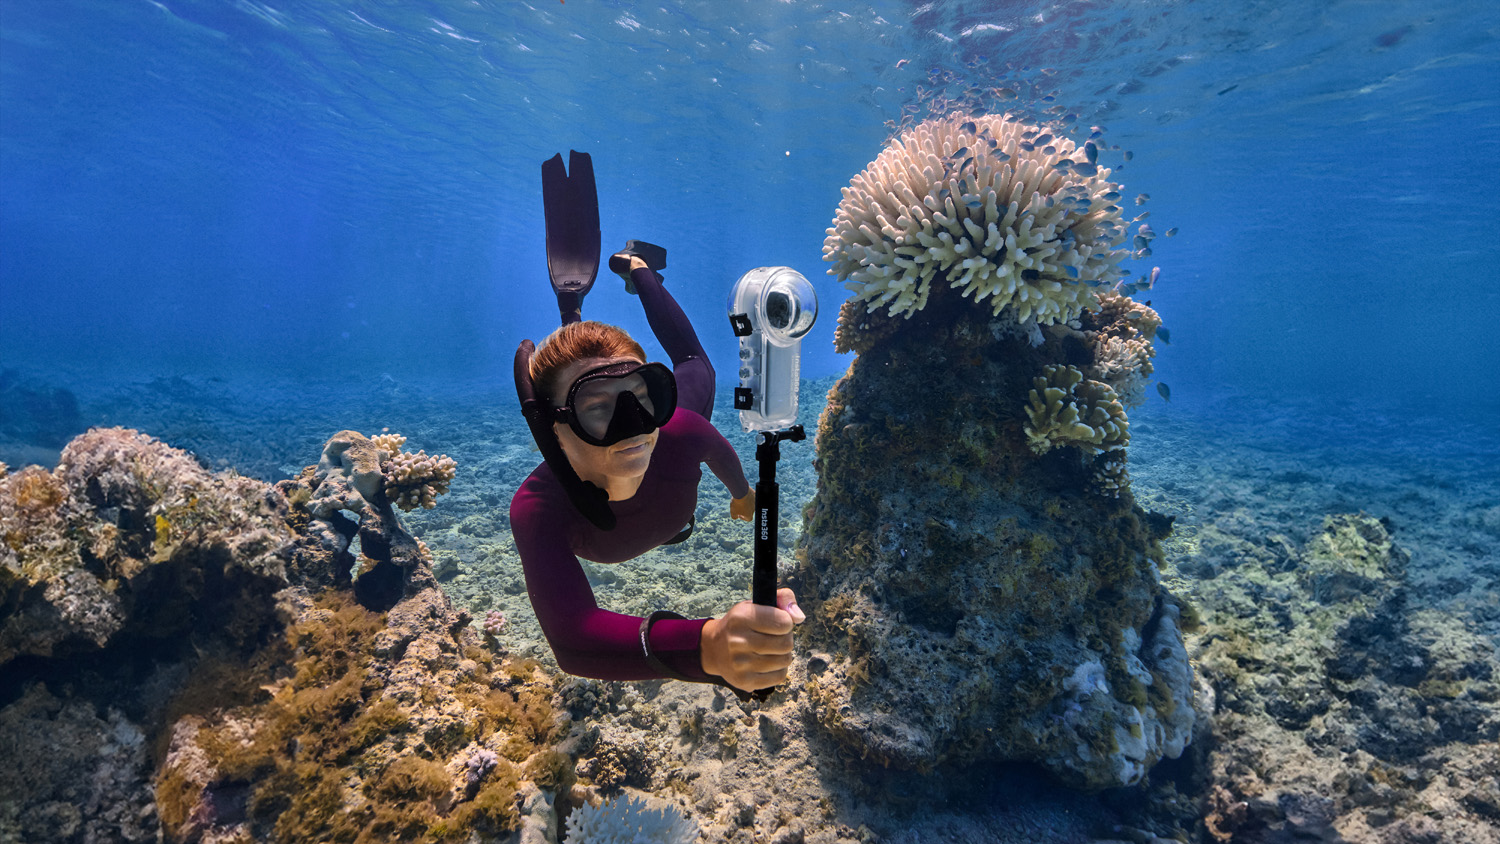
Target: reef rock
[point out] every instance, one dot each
(983, 586)
(977, 600)
(286, 653)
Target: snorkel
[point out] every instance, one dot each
(587, 497)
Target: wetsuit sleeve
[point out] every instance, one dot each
(674, 331)
(725, 463)
(589, 641)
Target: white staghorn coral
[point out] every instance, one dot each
(1067, 409)
(1121, 334)
(627, 821)
(998, 208)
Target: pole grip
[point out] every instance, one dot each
(767, 515)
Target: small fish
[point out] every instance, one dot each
(1172, 232)
(1072, 271)
(1005, 93)
(1144, 253)
(1127, 289)
(1147, 232)
(1141, 216)
(967, 162)
(974, 203)
(1230, 88)
(1028, 146)
(1086, 169)
(1141, 242)
(1155, 274)
(1064, 164)
(1002, 156)
(1142, 199)
(1096, 132)
(1091, 151)
(969, 126)
(1049, 149)
(959, 153)
(1111, 196)
(1166, 392)
(1164, 334)
(1129, 155)
(1044, 138)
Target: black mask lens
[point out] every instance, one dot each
(614, 403)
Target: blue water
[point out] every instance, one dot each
(204, 187)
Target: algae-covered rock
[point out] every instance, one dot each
(199, 657)
(128, 535)
(976, 600)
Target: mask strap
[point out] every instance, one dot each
(588, 498)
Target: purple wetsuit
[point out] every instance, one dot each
(551, 534)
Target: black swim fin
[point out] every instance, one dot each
(654, 256)
(571, 204)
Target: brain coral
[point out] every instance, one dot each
(1002, 209)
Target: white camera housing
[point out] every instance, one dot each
(771, 308)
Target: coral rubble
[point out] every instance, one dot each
(1345, 713)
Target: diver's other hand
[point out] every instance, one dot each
(751, 646)
(743, 508)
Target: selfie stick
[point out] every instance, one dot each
(771, 309)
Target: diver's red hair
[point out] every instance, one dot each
(576, 341)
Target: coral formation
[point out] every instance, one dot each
(982, 583)
(1121, 334)
(127, 537)
(628, 820)
(1064, 409)
(290, 700)
(997, 208)
(412, 480)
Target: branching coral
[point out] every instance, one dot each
(999, 208)
(1066, 409)
(416, 480)
(627, 820)
(1121, 334)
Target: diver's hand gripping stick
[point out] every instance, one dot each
(771, 308)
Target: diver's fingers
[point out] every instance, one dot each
(786, 599)
(774, 621)
(763, 644)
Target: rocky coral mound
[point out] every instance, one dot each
(982, 585)
(199, 657)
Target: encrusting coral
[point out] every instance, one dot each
(997, 208)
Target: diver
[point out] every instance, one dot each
(622, 441)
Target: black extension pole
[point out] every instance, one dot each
(768, 514)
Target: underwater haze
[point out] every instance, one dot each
(284, 240)
(195, 187)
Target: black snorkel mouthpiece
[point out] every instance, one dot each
(590, 500)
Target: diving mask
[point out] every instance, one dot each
(616, 402)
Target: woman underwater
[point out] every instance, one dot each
(622, 440)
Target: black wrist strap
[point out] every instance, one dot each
(657, 664)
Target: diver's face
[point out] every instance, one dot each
(625, 461)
